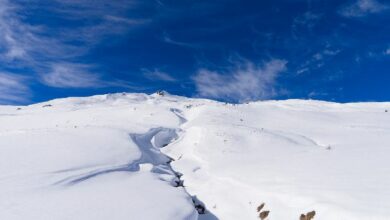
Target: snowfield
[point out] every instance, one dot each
(128, 156)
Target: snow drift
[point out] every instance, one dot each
(137, 156)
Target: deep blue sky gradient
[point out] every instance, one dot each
(333, 50)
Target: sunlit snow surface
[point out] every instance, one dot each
(99, 158)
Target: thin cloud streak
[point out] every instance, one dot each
(317, 60)
(52, 57)
(13, 88)
(157, 75)
(167, 39)
(71, 75)
(387, 52)
(362, 8)
(304, 23)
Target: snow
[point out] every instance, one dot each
(126, 156)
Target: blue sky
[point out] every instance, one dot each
(233, 51)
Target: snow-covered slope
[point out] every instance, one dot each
(125, 156)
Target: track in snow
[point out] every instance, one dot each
(149, 144)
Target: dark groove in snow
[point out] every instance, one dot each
(149, 144)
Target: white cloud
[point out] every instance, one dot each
(106, 18)
(308, 19)
(304, 23)
(76, 75)
(317, 60)
(303, 70)
(167, 39)
(244, 81)
(316, 94)
(71, 75)
(331, 52)
(12, 39)
(13, 88)
(26, 44)
(48, 52)
(157, 75)
(362, 8)
(126, 21)
(387, 52)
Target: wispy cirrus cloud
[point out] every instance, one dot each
(304, 22)
(244, 81)
(361, 8)
(71, 75)
(52, 52)
(16, 38)
(167, 39)
(387, 51)
(77, 75)
(13, 88)
(157, 75)
(317, 60)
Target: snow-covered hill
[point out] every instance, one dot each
(127, 156)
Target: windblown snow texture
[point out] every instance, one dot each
(137, 156)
